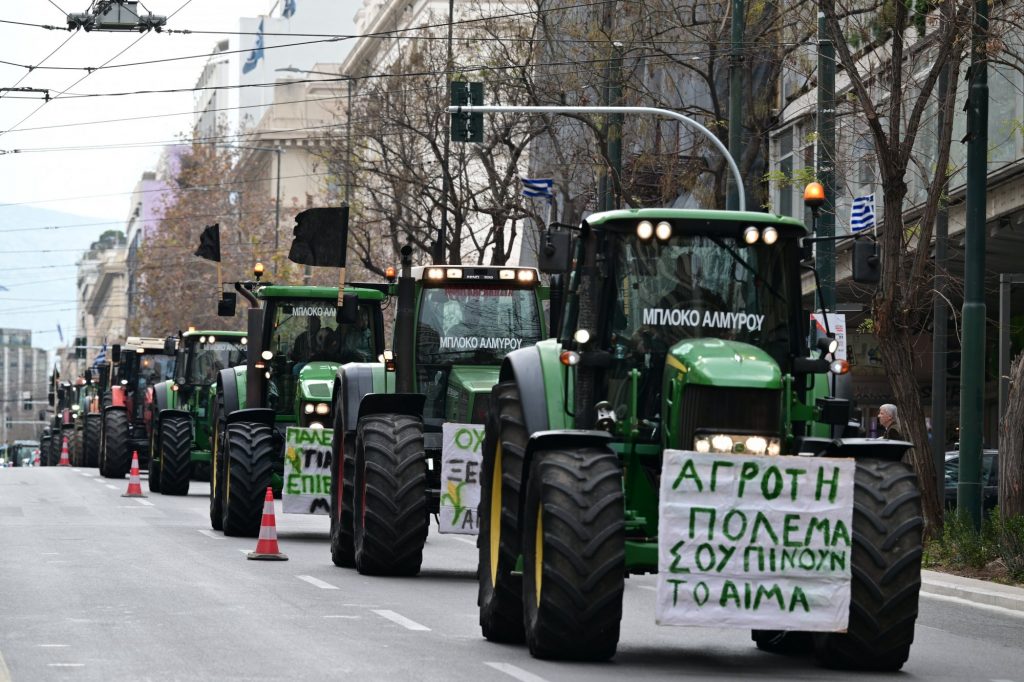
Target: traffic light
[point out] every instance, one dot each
(466, 127)
(866, 266)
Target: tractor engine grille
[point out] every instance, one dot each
(728, 410)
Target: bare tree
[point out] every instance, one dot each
(1011, 446)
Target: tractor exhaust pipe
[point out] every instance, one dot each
(404, 324)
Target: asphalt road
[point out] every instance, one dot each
(94, 586)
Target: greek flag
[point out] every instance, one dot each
(862, 213)
(101, 357)
(257, 52)
(538, 187)
(289, 9)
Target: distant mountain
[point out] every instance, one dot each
(40, 249)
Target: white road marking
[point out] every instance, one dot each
(51, 553)
(77, 471)
(401, 620)
(52, 646)
(345, 617)
(988, 607)
(461, 538)
(5, 674)
(244, 551)
(98, 480)
(66, 665)
(211, 534)
(145, 503)
(513, 671)
(112, 487)
(316, 582)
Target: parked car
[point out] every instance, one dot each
(989, 478)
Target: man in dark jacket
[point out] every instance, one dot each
(889, 421)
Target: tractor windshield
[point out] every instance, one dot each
(476, 325)
(701, 287)
(308, 330)
(208, 358)
(154, 367)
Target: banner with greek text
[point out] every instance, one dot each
(755, 542)
(307, 471)
(460, 478)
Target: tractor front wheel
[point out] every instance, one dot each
(886, 568)
(116, 458)
(175, 442)
(91, 441)
(574, 554)
(217, 465)
(249, 466)
(500, 596)
(342, 484)
(390, 489)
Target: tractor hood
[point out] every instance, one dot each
(716, 362)
(316, 379)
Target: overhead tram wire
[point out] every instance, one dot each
(29, 72)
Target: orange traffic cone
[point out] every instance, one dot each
(134, 482)
(266, 546)
(64, 461)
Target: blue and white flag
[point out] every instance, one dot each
(101, 357)
(862, 213)
(60, 333)
(257, 52)
(289, 9)
(537, 187)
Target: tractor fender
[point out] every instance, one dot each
(161, 399)
(118, 396)
(524, 367)
(352, 382)
(228, 383)
(573, 439)
(258, 415)
(857, 448)
(392, 403)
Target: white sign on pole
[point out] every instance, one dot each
(836, 325)
(460, 478)
(755, 542)
(306, 488)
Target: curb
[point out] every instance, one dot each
(976, 591)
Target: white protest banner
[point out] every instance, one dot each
(755, 542)
(307, 471)
(460, 478)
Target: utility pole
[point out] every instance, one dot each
(826, 169)
(348, 147)
(439, 248)
(612, 127)
(736, 94)
(972, 365)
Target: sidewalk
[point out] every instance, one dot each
(969, 589)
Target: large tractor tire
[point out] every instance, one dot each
(154, 462)
(44, 452)
(217, 467)
(343, 470)
(500, 595)
(175, 442)
(574, 554)
(886, 567)
(53, 456)
(78, 448)
(116, 460)
(391, 495)
(91, 440)
(249, 466)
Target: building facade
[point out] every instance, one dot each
(23, 386)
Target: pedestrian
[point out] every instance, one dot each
(889, 420)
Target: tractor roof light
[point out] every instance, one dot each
(211, 339)
(323, 408)
(663, 230)
(525, 276)
(814, 195)
(244, 341)
(140, 351)
(645, 229)
(506, 274)
(257, 271)
(454, 273)
(308, 408)
(390, 273)
(435, 274)
(191, 328)
(202, 339)
(569, 358)
(751, 235)
(770, 235)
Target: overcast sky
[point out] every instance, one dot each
(93, 183)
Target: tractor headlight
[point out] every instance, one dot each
(663, 230)
(702, 445)
(737, 444)
(770, 235)
(506, 274)
(308, 408)
(323, 408)
(721, 443)
(751, 235)
(581, 336)
(645, 229)
(525, 276)
(454, 273)
(435, 274)
(316, 425)
(756, 445)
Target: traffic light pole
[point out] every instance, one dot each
(488, 109)
(826, 171)
(736, 92)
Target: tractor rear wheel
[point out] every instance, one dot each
(342, 476)
(249, 465)
(116, 458)
(784, 642)
(91, 441)
(500, 596)
(217, 464)
(155, 458)
(79, 448)
(886, 567)
(391, 501)
(44, 452)
(175, 442)
(574, 554)
(55, 446)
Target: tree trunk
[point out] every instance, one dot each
(1011, 446)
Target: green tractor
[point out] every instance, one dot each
(181, 433)
(298, 336)
(682, 339)
(454, 326)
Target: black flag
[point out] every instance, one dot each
(321, 237)
(209, 243)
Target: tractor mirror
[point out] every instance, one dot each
(51, 398)
(555, 252)
(170, 347)
(88, 376)
(115, 353)
(348, 311)
(866, 265)
(226, 304)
